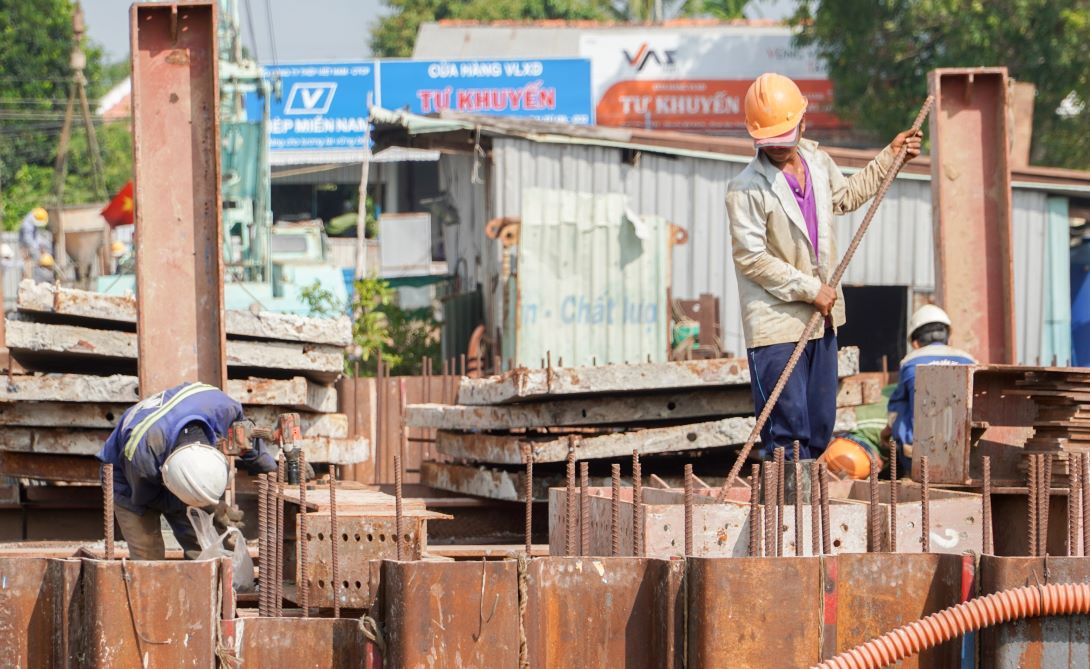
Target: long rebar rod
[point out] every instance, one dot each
(108, 508)
(1031, 504)
(780, 499)
(615, 512)
(637, 505)
(569, 502)
(528, 494)
(754, 510)
(1072, 505)
(1084, 473)
(1046, 501)
(584, 508)
(893, 484)
(986, 512)
(826, 528)
(304, 539)
(815, 509)
(281, 478)
(1075, 508)
(796, 454)
(399, 518)
(925, 506)
(264, 561)
(335, 541)
(769, 476)
(689, 510)
(816, 319)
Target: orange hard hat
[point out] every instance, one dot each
(844, 457)
(774, 106)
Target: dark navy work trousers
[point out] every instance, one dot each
(806, 410)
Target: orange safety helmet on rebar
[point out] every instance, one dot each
(845, 457)
(774, 106)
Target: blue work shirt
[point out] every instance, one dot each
(903, 399)
(145, 436)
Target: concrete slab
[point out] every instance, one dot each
(507, 448)
(70, 303)
(523, 384)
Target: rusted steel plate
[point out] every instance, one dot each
(35, 600)
(1054, 642)
(49, 467)
(523, 384)
(176, 170)
(362, 542)
(303, 643)
(971, 196)
(879, 592)
(604, 612)
(451, 614)
(956, 523)
(153, 614)
(754, 612)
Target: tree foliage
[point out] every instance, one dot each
(879, 58)
(395, 34)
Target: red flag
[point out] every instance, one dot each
(120, 209)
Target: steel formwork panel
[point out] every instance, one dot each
(176, 165)
(971, 202)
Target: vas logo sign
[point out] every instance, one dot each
(645, 54)
(310, 98)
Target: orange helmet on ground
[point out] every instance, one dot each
(844, 457)
(774, 106)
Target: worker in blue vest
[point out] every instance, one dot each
(929, 331)
(165, 460)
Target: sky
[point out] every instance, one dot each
(304, 30)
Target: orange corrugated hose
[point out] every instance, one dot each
(919, 635)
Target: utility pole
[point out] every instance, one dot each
(77, 90)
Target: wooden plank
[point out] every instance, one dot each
(81, 305)
(297, 393)
(506, 449)
(621, 410)
(323, 363)
(524, 384)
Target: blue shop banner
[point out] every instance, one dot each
(555, 90)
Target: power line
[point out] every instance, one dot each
(272, 36)
(250, 24)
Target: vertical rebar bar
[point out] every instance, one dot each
(108, 508)
(754, 510)
(615, 512)
(569, 502)
(637, 505)
(1072, 532)
(1031, 504)
(403, 444)
(399, 518)
(986, 512)
(826, 528)
(925, 506)
(893, 484)
(815, 509)
(1084, 474)
(689, 510)
(780, 499)
(278, 549)
(875, 535)
(335, 538)
(528, 494)
(263, 558)
(796, 454)
(769, 484)
(584, 508)
(303, 540)
(1046, 501)
(1074, 506)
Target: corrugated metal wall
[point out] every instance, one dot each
(688, 191)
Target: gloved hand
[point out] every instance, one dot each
(226, 516)
(257, 460)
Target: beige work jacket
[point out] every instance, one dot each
(778, 274)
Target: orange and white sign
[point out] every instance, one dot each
(695, 78)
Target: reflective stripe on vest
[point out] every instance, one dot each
(144, 425)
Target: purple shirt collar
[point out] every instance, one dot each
(806, 201)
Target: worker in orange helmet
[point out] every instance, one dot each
(780, 210)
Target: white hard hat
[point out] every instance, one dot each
(6, 252)
(925, 315)
(196, 473)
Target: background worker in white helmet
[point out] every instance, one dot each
(780, 210)
(929, 332)
(30, 240)
(165, 460)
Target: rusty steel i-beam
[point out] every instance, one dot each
(176, 180)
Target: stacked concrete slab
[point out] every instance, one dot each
(604, 413)
(71, 372)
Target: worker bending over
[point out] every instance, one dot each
(780, 210)
(165, 459)
(929, 332)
